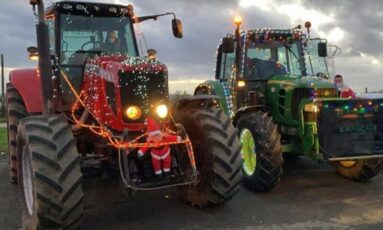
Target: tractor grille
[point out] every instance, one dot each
(111, 96)
(302, 93)
(326, 92)
(142, 90)
(298, 95)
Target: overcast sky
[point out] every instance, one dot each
(356, 26)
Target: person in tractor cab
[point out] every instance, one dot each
(112, 43)
(343, 89)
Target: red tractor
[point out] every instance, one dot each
(95, 107)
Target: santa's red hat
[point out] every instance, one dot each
(152, 127)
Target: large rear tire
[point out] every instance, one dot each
(261, 151)
(217, 154)
(49, 174)
(15, 112)
(359, 170)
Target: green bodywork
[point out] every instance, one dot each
(300, 135)
(303, 133)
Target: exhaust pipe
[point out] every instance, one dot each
(45, 66)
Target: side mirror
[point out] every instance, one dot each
(177, 28)
(322, 49)
(228, 45)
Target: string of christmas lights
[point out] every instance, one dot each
(114, 141)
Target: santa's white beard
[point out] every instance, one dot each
(339, 85)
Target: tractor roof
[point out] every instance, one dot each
(90, 8)
(267, 34)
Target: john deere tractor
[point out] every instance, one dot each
(274, 84)
(82, 113)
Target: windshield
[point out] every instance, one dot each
(83, 35)
(265, 60)
(315, 65)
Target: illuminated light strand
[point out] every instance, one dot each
(357, 108)
(116, 142)
(228, 99)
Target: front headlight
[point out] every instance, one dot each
(133, 112)
(162, 111)
(313, 108)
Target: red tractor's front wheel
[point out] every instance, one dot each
(49, 174)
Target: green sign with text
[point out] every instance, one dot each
(358, 129)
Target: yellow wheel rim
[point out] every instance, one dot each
(347, 164)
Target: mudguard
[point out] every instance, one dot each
(351, 128)
(196, 101)
(222, 90)
(27, 83)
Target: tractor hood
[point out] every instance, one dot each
(117, 83)
(143, 83)
(304, 82)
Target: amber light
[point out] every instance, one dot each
(33, 57)
(241, 83)
(133, 112)
(238, 20)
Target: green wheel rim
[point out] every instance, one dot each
(248, 152)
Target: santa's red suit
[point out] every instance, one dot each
(162, 153)
(347, 92)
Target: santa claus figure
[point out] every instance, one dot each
(344, 90)
(161, 158)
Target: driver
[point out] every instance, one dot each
(343, 89)
(112, 44)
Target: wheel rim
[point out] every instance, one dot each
(347, 164)
(27, 182)
(248, 152)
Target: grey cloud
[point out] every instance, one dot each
(362, 20)
(17, 32)
(205, 22)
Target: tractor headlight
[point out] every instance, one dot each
(313, 108)
(133, 112)
(162, 111)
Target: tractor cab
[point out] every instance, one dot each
(315, 54)
(257, 63)
(97, 62)
(79, 31)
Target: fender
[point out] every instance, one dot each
(248, 109)
(27, 83)
(219, 89)
(196, 101)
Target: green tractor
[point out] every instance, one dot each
(275, 85)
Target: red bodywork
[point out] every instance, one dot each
(27, 83)
(103, 69)
(98, 71)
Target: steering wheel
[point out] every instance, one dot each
(91, 41)
(322, 75)
(94, 43)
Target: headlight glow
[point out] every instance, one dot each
(313, 108)
(241, 83)
(133, 112)
(162, 111)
